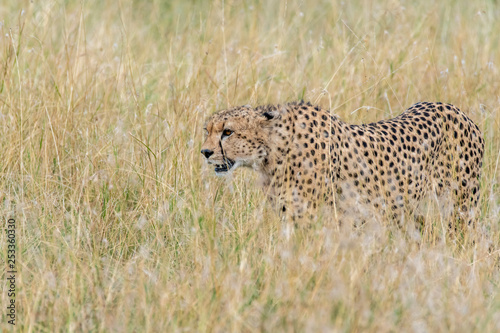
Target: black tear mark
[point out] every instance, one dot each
(223, 154)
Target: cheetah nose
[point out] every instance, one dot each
(207, 152)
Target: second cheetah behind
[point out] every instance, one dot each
(306, 155)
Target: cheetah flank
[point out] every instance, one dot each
(306, 155)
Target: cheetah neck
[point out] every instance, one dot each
(288, 148)
(275, 167)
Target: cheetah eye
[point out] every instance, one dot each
(227, 132)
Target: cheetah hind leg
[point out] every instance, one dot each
(466, 202)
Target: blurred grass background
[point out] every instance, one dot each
(121, 227)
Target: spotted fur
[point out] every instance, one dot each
(306, 155)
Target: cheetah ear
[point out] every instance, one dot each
(271, 114)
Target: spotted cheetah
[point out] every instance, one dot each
(306, 156)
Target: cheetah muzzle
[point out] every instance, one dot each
(306, 157)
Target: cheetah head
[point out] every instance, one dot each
(238, 137)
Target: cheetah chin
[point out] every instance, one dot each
(224, 168)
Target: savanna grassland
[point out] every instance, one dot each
(121, 226)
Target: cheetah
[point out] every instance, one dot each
(307, 156)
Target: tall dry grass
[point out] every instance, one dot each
(122, 228)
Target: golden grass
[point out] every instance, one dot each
(121, 227)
